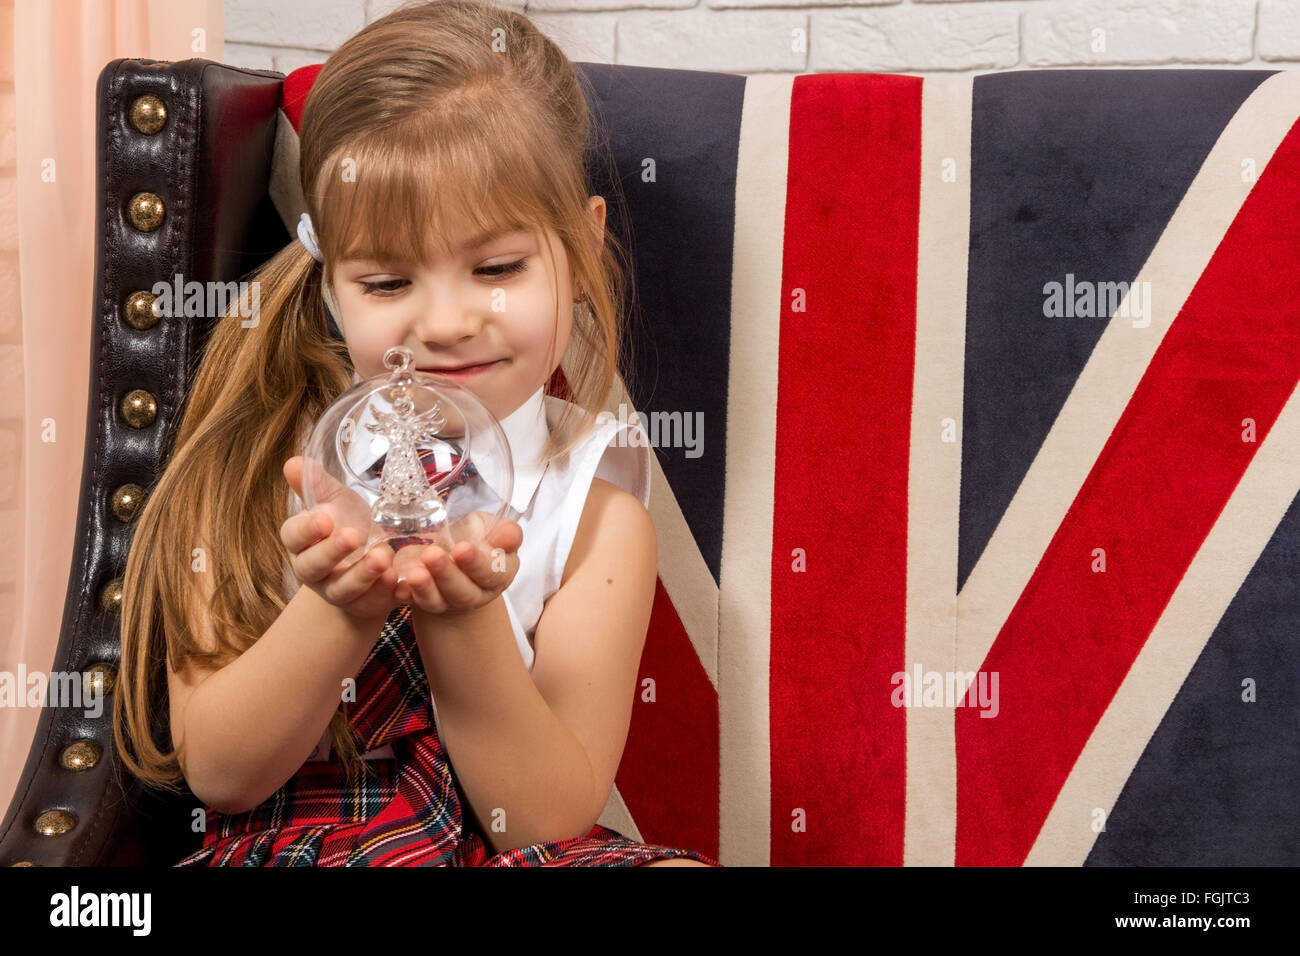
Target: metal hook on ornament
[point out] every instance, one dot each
(399, 359)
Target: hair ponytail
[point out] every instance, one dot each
(257, 391)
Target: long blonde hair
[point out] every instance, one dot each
(452, 108)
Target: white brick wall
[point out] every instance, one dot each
(900, 36)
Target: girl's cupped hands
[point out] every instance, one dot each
(324, 547)
(471, 575)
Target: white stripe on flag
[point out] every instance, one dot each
(934, 465)
(745, 601)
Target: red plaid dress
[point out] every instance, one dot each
(406, 810)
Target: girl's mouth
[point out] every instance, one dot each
(467, 372)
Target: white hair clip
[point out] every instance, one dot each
(307, 236)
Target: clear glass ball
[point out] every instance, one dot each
(408, 459)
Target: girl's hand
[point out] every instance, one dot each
(471, 575)
(318, 555)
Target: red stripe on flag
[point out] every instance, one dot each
(1160, 482)
(842, 437)
(669, 774)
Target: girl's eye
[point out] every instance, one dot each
(499, 271)
(507, 268)
(370, 288)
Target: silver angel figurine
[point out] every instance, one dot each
(407, 503)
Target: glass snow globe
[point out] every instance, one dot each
(410, 459)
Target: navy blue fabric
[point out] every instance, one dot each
(1219, 781)
(682, 226)
(1072, 171)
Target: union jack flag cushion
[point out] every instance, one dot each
(977, 449)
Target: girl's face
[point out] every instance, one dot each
(492, 300)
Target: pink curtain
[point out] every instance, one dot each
(51, 54)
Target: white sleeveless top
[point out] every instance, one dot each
(547, 504)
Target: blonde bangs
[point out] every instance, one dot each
(405, 193)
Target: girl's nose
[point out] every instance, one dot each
(447, 319)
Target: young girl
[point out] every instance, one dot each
(448, 212)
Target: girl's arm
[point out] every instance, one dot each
(245, 729)
(538, 753)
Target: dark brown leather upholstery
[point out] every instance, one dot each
(209, 164)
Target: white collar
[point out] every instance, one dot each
(527, 430)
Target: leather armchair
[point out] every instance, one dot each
(184, 159)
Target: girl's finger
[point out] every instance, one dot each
(352, 583)
(292, 471)
(407, 559)
(507, 534)
(323, 485)
(305, 529)
(317, 562)
(403, 595)
(485, 566)
(424, 592)
(456, 588)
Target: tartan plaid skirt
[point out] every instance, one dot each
(406, 810)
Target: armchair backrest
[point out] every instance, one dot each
(185, 157)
